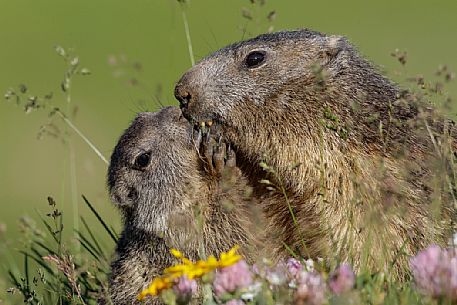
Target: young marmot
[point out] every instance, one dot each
(171, 197)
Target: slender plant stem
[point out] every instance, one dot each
(59, 249)
(80, 134)
(186, 29)
(208, 295)
(73, 182)
(74, 189)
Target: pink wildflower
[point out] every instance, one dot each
(294, 267)
(184, 289)
(435, 271)
(310, 289)
(342, 279)
(232, 278)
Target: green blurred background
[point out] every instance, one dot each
(149, 34)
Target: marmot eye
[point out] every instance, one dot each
(143, 160)
(255, 58)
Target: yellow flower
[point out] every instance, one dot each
(157, 285)
(176, 253)
(229, 258)
(190, 269)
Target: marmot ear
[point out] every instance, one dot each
(333, 46)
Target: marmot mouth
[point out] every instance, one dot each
(203, 120)
(203, 124)
(205, 130)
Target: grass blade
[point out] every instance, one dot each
(92, 236)
(99, 218)
(86, 245)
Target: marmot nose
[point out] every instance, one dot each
(183, 95)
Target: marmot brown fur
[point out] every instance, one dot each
(170, 198)
(336, 142)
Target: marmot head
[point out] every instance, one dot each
(152, 167)
(274, 75)
(254, 72)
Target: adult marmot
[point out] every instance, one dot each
(347, 159)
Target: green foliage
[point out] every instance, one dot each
(53, 271)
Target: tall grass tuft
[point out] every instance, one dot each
(52, 272)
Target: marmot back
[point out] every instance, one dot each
(351, 156)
